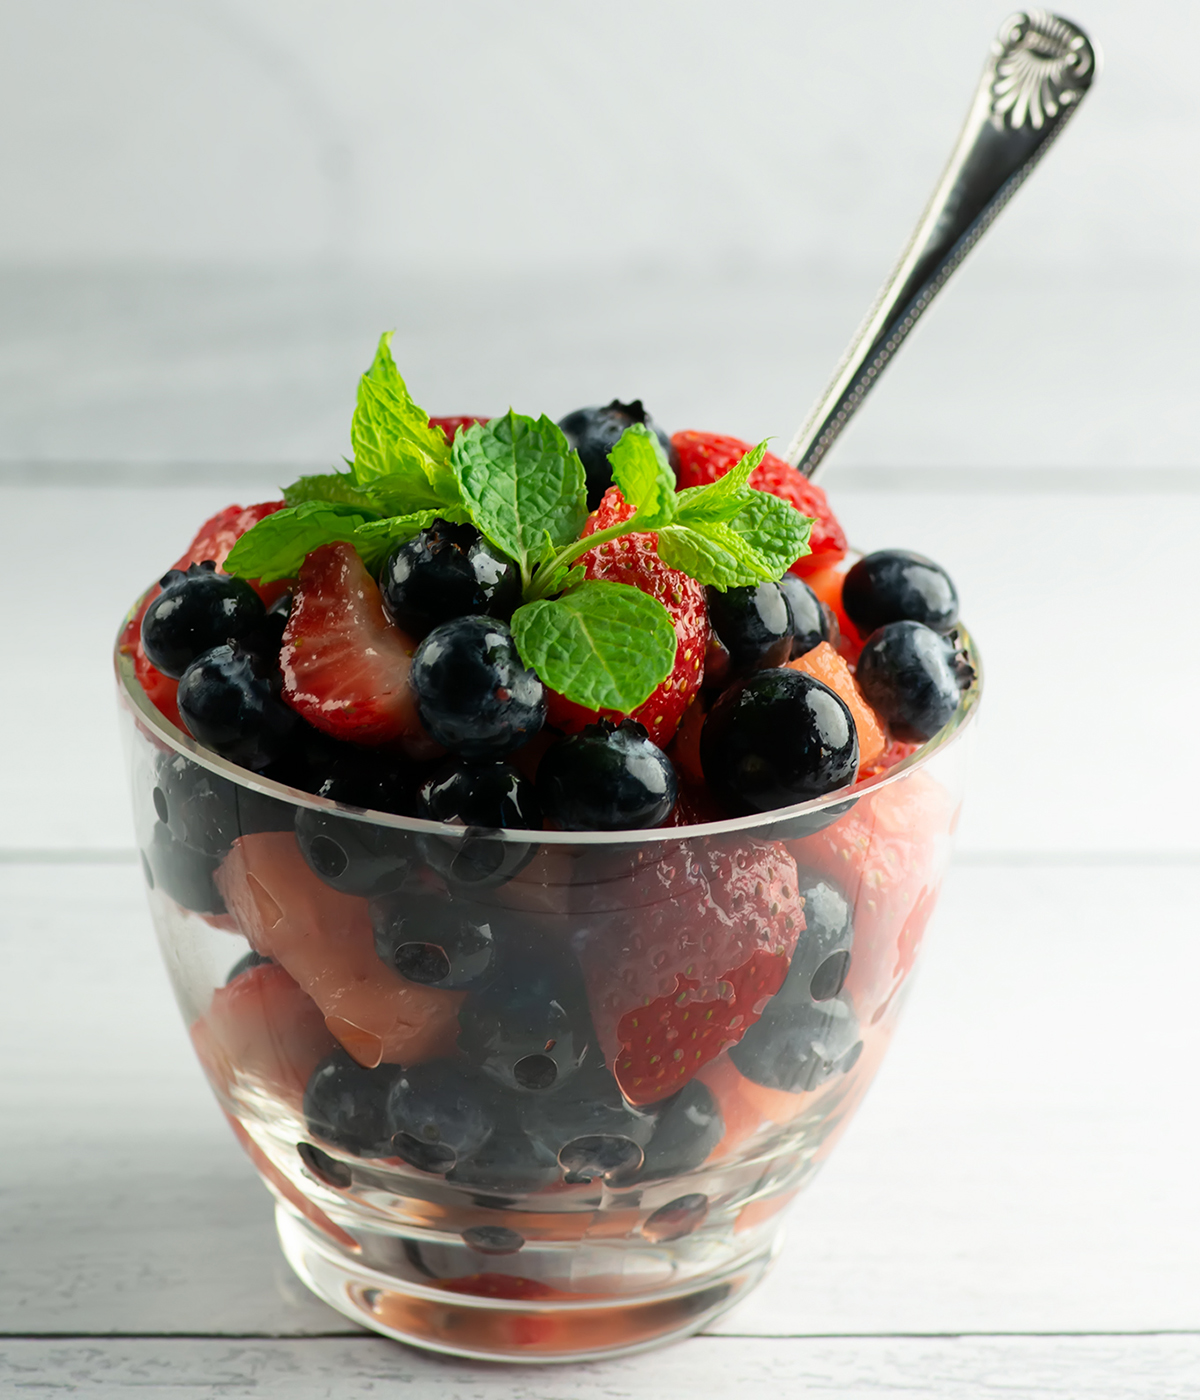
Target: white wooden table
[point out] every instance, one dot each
(1015, 1209)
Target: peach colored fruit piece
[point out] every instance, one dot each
(826, 666)
(324, 940)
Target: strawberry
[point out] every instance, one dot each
(633, 559)
(215, 538)
(452, 426)
(704, 457)
(686, 967)
(345, 665)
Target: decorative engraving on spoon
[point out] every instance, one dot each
(1039, 70)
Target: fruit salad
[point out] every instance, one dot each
(541, 821)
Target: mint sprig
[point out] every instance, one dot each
(601, 644)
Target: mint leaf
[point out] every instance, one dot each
(276, 547)
(723, 498)
(603, 645)
(392, 436)
(713, 554)
(377, 538)
(774, 529)
(333, 486)
(641, 470)
(523, 486)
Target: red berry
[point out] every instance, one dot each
(345, 665)
(704, 457)
(633, 559)
(454, 424)
(215, 538)
(686, 967)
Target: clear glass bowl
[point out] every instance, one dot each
(452, 1163)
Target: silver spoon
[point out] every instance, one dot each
(1039, 70)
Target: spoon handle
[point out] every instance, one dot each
(1038, 71)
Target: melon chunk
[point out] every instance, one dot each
(826, 666)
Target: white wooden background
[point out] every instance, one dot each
(1014, 1211)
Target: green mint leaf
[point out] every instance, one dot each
(392, 436)
(377, 538)
(561, 578)
(713, 555)
(276, 547)
(333, 486)
(522, 484)
(774, 529)
(721, 499)
(603, 645)
(641, 470)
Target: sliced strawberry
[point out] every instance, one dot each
(684, 969)
(896, 751)
(324, 941)
(453, 425)
(633, 559)
(215, 538)
(345, 664)
(704, 457)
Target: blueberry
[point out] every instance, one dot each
(346, 1105)
(909, 675)
(589, 1127)
(474, 694)
(354, 857)
(447, 571)
(483, 798)
(821, 961)
(267, 638)
(508, 1162)
(594, 432)
(799, 1048)
(607, 778)
(196, 611)
(439, 1112)
(753, 624)
(435, 940)
(809, 617)
(245, 963)
(529, 1029)
(199, 808)
(894, 585)
(688, 1127)
(230, 700)
(776, 739)
(182, 872)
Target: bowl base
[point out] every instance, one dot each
(494, 1316)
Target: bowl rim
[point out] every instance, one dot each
(147, 715)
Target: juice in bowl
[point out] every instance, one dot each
(540, 824)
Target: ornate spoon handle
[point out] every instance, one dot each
(1039, 70)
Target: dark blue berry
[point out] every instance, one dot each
(607, 778)
(245, 963)
(509, 1163)
(821, 960)
(894, 585)
(687, 1128)
(776, 739)
(447, 571)
(589, 1127)
(182, 872)
(230, 700)
(327, 1170)
(198, 807)
(352, 856)
(440, 1112)
(196, 611)
(799, 1048)
(809, 617)
(267, 637)
(346, 1105)
(909, 676)
(479, 799)
(529, 1029)
(435, 940)
(753, 624)
(594, 432)
(474, 694)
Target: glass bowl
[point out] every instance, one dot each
(534, 1096)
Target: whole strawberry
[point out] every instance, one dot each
(633, 559)
(686, 967)
(705, 457)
